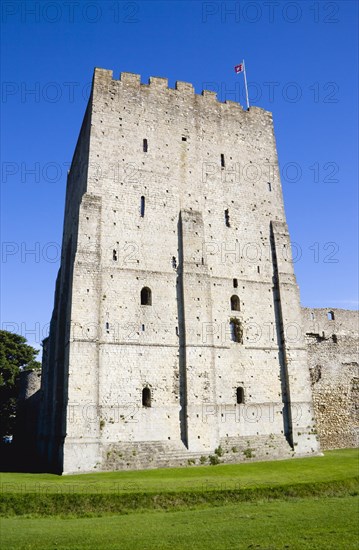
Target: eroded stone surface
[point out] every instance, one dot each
(179, 194)
(333, 362)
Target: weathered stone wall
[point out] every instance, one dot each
(55, 361)
(178, 193)
(332, 342)
(30, 383)
(27, 418)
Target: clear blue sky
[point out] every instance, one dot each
(302, 64)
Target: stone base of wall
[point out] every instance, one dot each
(158, 454)
(244, 449)
(146, 455)
(340, 440)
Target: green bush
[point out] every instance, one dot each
(219, 451)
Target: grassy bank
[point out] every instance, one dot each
(323, 523)
(334, 475)
(333, 466)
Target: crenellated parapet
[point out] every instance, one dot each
(103, 78)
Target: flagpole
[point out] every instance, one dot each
(245, 84)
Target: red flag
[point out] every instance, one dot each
(239, 68)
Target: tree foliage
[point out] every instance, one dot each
(15, 355)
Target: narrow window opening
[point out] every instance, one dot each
(269, 186)
(107, 326)
(142, 207)
(235, 305)
(114, 255)
(222, 160)
(335, 338)
(146, 296)
(143, 328)
(235, 283)
(330, 315)
(240, 396)
(184, 138)
(145, 146)
(258, 269)
(236, 332)
(177, 331)
(146, 397)
(226, 218)
(174, 262)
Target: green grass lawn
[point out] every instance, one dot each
(333, 466)
(305, 503)
(326, 523)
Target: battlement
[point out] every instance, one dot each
(104, 77)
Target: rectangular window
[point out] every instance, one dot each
(226, 218)
(222, 160)
(236, 331)
(142, 207)
(145, 146)
(240, 396)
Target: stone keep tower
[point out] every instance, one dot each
(177, 323)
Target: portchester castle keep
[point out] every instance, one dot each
(177, 333)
